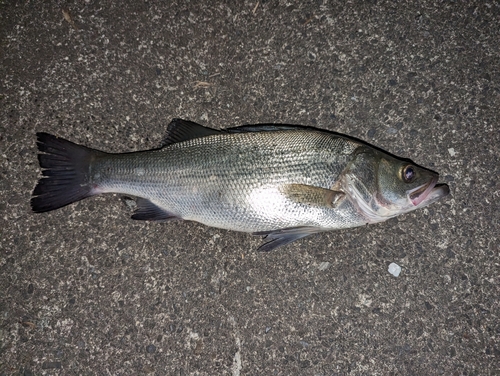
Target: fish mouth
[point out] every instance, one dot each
(428, 193)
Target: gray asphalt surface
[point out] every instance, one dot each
(85, 290)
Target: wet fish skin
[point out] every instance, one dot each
(281, 181)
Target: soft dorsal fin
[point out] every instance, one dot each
(183, 130)
(313, 196)
(266, 128)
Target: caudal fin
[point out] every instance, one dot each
(66, 173)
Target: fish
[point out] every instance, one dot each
(281, 182)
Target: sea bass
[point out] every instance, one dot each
(277, 181)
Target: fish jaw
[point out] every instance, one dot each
(428, 193)
(432, 193)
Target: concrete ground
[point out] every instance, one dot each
(85, 290)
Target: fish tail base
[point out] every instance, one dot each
(66, 170)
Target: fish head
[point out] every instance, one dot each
(385, 186)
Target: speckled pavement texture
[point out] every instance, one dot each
(86, 291)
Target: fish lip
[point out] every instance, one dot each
(419, 194)
(438, 192)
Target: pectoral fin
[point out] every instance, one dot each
(314, 196)
(278, 238)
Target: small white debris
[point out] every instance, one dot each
(394, 269)
(365, 300)
(324, 265)
(452, 152)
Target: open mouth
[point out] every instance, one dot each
(428, 192)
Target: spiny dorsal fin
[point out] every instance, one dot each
(314, 196)
(183, 130)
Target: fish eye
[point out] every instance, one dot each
(408, 173)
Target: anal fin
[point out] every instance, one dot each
(148, 211)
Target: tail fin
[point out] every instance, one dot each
(66, 173)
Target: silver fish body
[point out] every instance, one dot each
(284, 182)
(235, 181)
